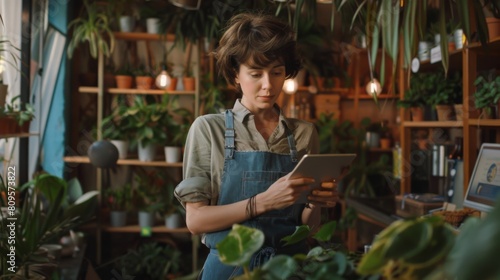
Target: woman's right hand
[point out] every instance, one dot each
(284, 192)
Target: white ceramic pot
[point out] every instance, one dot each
(122, 147)
(127, 24)
(152, 25)
(146, 153)
(173, 221)
(458, 38)
(172, 154)
(146, 219)
(118, 218)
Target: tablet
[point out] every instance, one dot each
(321, 167)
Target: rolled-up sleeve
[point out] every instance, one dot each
(193, 189)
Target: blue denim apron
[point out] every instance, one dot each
(245, 174)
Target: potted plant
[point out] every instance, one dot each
(151, 260)
(149, 121)
(177, 128)
(118, 201)
(117, 128)
(92, 27)
(15, 117)
(51, 207)
(487, 93)
(171, 209)
(124, 77)
(143, 78)
(147, 196)
(446, 93)
(415, 97)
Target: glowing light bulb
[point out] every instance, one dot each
(290, 86)
(373, 88)
(163, 80)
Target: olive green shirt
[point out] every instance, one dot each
(204, 149)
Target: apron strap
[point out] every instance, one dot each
(229, 135)
(291, 142)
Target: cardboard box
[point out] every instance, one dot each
(407, 207)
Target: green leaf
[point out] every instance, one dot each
(280, 267)
(239, 245)
(373, 261)
(413, 238)
(301, 233)
(326, 231)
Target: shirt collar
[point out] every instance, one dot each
(241, 112)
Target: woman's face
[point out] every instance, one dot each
(260, 86)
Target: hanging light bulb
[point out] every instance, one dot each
(373, 88)
(163, 80)
(290, 86)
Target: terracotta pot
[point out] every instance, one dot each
(173, 84)
(189, 83)
(385, 143)
(8, 125)
(493, 27)
(417, 114)
(459, 111)
(123, 81)
(445, 113)
(144, 82)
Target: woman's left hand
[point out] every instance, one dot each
(326, 196)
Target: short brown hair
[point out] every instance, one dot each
(259, 40)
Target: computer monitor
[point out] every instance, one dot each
(484, 184)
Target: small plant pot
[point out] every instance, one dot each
(385, 143)
(118, 218)
(445, 113)
(146, 153)
(173, 84)
(146, 219)
(122, 147)
(189, 83)
(152, 25)
(127, 24)
(459, 111)
(173, 220)
(417, 114)
(372, 139)
(144, 82)
(172, 154)
(123, 81)
(493, 27)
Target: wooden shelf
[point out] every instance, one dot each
(433, 124)
(18, 135)
(137, 229)
(484, 122)
(136, 162)
(455, 62)
(493, 46)
(135, 91)
(143, 36)
(368, 97)
(148, 91)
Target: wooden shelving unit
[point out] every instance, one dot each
(101, 92)
(470, 60)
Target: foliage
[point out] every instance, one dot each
(321, 262)
(119, 199)
(385, 21)
(364, 177)
(211, 101)
(447, 90)
(177, 125)
(416, 95)
(21, 112)
(92, 27)
(118, 125)
(50, 208)
(147, 193)
(409, 249)
(151, 261)
(149, 121)
(487, 91)
(142, 71)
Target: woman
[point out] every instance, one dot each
(236, 163)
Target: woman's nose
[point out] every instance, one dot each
(266, 82)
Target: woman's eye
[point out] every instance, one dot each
(255, 75)
(278, 73)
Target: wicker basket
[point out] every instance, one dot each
(455, 218)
